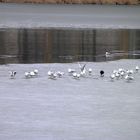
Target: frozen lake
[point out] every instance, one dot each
(70, 16)
(86, 109)
(56, 37)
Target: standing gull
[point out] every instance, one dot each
(71, 71)
(52, 75)
(137, 68)
(90, 71)
(107, 54)
(129, 78)
(12, 74)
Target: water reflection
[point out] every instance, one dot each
(61, 45)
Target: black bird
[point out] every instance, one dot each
(102, 73)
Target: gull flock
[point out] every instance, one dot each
(119, 74)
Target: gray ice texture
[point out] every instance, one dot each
(69, 16)
(92, 108)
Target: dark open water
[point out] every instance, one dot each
(67, 45)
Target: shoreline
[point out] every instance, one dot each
(114, 2)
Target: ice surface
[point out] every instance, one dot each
(68, 109)
(69, 16)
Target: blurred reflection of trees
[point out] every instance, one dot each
(60, 45)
